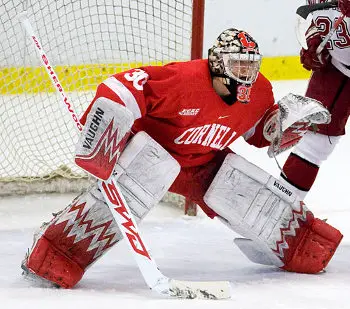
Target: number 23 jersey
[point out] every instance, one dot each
(339, 44)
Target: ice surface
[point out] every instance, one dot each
(186, 248)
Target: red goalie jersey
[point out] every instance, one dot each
(177, 105)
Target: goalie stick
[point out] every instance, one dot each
(124, 218)
(329, 35)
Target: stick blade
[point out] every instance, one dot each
(200, 290)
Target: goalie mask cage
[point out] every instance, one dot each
(86, 41)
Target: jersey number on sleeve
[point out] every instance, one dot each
(137, 77)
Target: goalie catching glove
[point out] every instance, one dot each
(287, 125)
(279, 228)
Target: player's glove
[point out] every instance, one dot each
(287, 125)
(344, 6)
(308, 57)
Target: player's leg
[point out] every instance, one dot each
(256, 205)
(332, 88)
(302, 165)
(79, 235)
(193, 182)
(75, 237)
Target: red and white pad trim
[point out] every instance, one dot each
(124, 94)
(103, 138)
(261, 208)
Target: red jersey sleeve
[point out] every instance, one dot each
(127, 89)
(255, 135)
(263, 94)
(140, 90)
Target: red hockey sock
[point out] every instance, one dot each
(300, 172)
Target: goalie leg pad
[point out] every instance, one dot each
(75, 238)
(315, 249)
(103, 138)
(145, 172)
(257, 206)
(80, 234)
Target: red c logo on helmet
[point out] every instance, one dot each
(249, 45)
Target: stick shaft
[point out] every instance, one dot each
(329, 35)
(113, 197)
(51, 73)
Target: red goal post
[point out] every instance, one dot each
(87, 42)
(190, 208)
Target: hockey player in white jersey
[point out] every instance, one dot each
(329, 84)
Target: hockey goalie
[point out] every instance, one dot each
(159, 128)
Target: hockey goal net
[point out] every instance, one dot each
(87, 41)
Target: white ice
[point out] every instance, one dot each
(186, 248)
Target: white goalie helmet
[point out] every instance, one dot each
(235, 55)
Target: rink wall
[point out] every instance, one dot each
(275, 33)
(36, 80)
(271, 22)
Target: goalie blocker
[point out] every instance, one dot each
(103, 138)
(278, 228)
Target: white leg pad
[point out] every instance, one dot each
(254, 204)
(145, 171)
(252, 251)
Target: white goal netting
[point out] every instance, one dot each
(86, 41)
